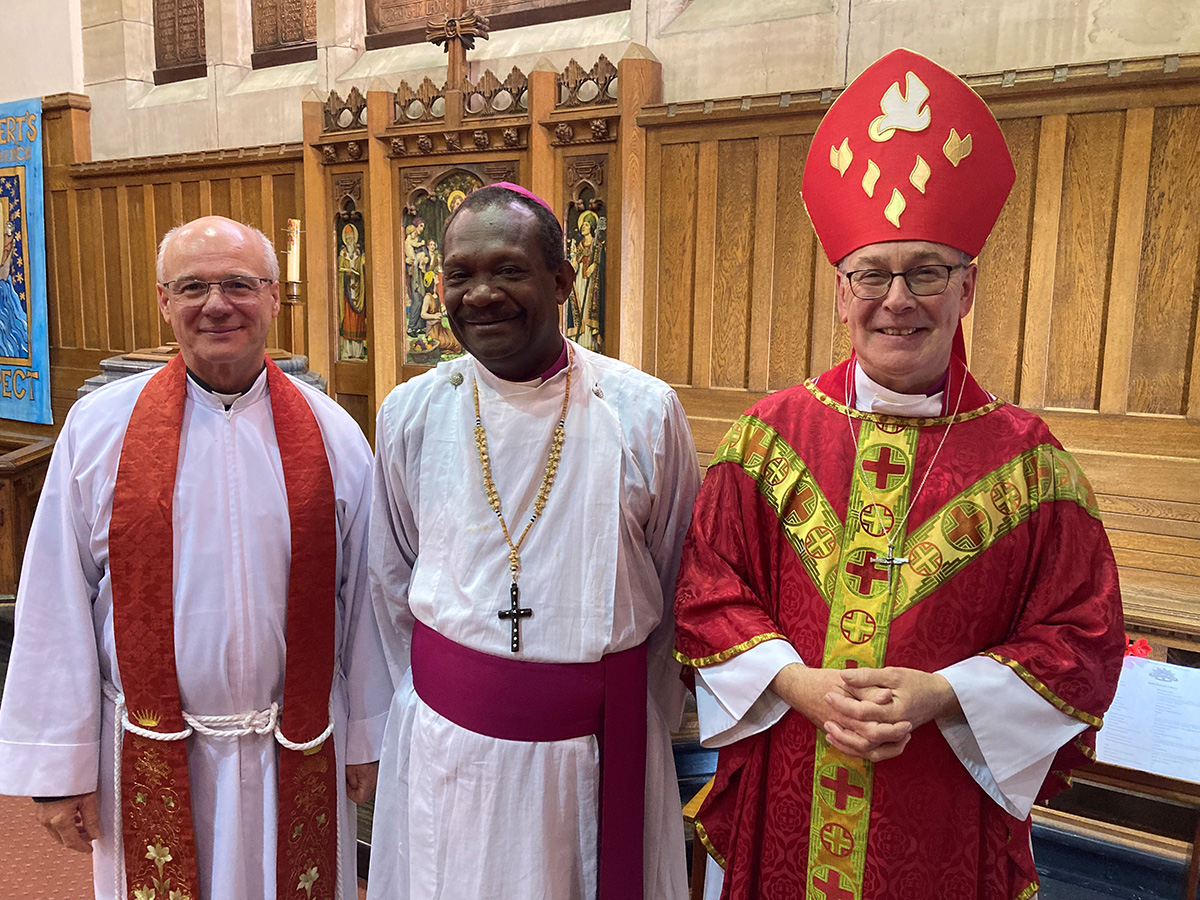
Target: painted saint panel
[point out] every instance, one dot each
(351, 283)
(430, 339)
(587, 234)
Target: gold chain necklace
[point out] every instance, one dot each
(515, 612)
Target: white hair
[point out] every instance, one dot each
(267, 247)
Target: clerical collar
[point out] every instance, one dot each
(559, 364)
(226, 399)
(870, 396)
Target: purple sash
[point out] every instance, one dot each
(518, 700)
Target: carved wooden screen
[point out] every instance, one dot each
(392, 22)
(285, 31)
(178, 40)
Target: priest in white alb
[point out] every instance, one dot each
(197, 687)
(530, 505)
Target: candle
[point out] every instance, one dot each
(293, 250)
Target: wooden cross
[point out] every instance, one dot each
(455, 32)
(516, 613)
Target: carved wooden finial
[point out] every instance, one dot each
(455, 32)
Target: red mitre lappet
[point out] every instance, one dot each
(907, 152)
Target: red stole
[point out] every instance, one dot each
(156, 810)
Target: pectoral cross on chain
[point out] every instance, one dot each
(892, 561)
(517, 613)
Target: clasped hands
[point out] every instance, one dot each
(866, 713)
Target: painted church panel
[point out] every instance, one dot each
(429, 338)
(587, 249)
(350, 281)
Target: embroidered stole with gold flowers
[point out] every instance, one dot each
(156, 809)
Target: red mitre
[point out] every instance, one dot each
(907, 152)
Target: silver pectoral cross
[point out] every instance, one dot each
(892, 561)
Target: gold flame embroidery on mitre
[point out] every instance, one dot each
(872, 176)
(841, 157)
(901, 112)
(920, 174)
(895, 207)
(956, 149)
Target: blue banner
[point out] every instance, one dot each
(24, 342)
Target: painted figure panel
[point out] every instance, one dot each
(586, 238)
(350, 278)
(430, 339)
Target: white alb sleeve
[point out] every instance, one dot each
(733, 698)
(1007, 734)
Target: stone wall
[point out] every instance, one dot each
(43, 51)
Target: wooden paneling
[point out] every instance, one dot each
(1165, 335)
(676, 239)
(104, 222)
(1085, 236)
(795, 253)
(1000, 292)
(734, 273)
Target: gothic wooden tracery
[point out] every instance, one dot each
(285, 31)
(179, 50)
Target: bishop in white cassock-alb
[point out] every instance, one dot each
(459, 814)
(232, 556)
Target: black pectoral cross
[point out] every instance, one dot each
(892, 561)
(516, 613)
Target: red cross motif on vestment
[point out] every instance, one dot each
(866, 571)
(968, 530)
(925, 558)
(876, 519)
(884, 469)
(800, 506)
(759, 447)
(820, 542)
(830, 886)
(1006, 497)
(836, 839)
(777, 470)
(844, 790)
(858, 626)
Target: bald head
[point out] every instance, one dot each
(185, 241)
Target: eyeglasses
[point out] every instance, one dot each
(922, 281)
(193, 291)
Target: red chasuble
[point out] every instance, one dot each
(159, 842)
(1007, 558)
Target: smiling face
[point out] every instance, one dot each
(501, 298)
(903, 342)
(221, 340)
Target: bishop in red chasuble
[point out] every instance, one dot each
(896, 594)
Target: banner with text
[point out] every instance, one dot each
(24, 341)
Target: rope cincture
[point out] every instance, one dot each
(260, 722)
